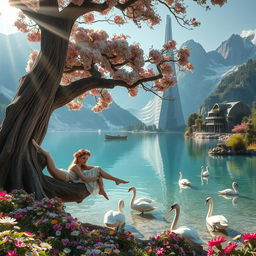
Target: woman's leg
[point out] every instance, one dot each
(107, 176)
(55, 172)
(101, 188)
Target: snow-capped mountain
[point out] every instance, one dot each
(211, 67)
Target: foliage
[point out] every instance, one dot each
(238, 86)
(247, 248)
(237, 142)
(141, 127)
(192, 118)
(45, 227)
(167, 243)
(240, 128)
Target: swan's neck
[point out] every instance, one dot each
(180, 176)
(234, 188)
(175, 219)
(209, 214)
(120, 208)
(133, 198)
(202, 171)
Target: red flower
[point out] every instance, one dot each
(3, 194)
(230, 247)
(210, 251)
(217, 241)
(249, 236)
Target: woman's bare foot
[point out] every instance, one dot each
(119, 181)
(103, 193)
(38, 148)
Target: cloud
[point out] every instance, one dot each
(249, 33)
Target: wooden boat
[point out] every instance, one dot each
(115, 137)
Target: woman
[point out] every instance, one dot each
(80, 172)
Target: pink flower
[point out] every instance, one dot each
(240, 127)
(210, 251)
(3, 194)
(12, 253)
(159, 251)
(119, 20)
(157, 237)
(20, 244)
(55, 251)
(249, 236)
(218, 2)
(230, 247)
(217, 241)
(28, 233)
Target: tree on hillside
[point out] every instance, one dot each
(72, 62)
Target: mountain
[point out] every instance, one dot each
(14, 50)
(211, 67)
(238, 86)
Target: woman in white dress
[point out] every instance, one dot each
(80, 172)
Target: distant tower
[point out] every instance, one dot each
(171, 115)
(165, 114)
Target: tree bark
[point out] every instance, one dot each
(28, 115)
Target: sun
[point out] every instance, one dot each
(8, 16)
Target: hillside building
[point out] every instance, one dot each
(224, 116)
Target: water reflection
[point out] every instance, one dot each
(151, 162)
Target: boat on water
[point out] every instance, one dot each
(115, 137)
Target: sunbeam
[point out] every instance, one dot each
(8, 16)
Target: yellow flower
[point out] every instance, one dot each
(108, 251)
(46, 246)
(54, 221)
(111, 232)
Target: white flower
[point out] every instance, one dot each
(66, 250)
(58, 233)
(46, 246)
(75, 233)
(8, 221)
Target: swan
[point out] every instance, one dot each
(204, 173)
(216, 222)
(187, 233)
(229, 191)
(115, 219)
(140, 205)
(183, 182)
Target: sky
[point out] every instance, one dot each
(217, 25)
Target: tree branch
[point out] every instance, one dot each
(65, 94)
(74, 11)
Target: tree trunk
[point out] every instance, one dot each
(27, 117)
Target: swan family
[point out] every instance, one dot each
(116, 219)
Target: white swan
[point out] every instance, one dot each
(182, 181)
(204, 173)
(142, 204)
(187, 233)
(216, 222)
(229, 191)
(115, 219)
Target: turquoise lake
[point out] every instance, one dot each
(151, 162)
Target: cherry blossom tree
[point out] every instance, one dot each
(73, 62)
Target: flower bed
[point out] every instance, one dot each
(29, 227)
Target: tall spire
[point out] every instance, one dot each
(171, 115)
(164, 114)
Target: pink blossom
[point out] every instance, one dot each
(57, 226)
(74, 105)
(111, 3)
(230, 247)
(133, 92)
(3, 194)
(12, 253)
(20, 244)
(119, 20)
(95, 92)
(89, 18)
(166, 69)
(183, 56)
(28, 234)
(55, 251)
(179, 8)
(160, 251)
(157, 237)
(34, 36)
(210, 251)
(249, 236)
(218, 2)
(170, 45)
(240, 128)
(169, 2)
(217, 241)
(155, 56)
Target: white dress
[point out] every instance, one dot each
(93, 186)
